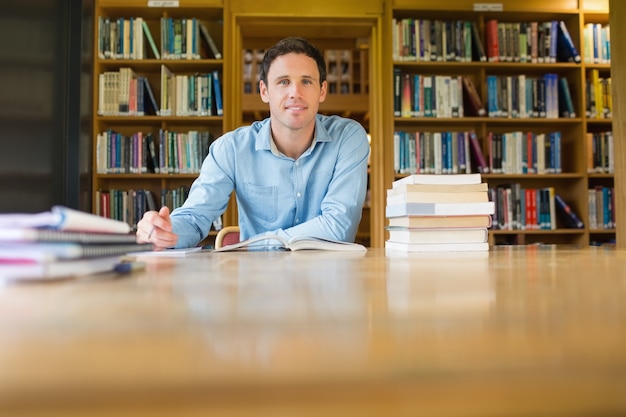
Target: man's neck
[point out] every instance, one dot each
(293, 144)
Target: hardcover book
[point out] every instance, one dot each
(437, 236)
(437, 247)
(473, 178)
(439, 209)
(475, 221)
(438, 197)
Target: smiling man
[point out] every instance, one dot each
(296, 173)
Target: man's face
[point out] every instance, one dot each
(293, 90)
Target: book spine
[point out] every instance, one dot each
(210, 41)
(477, 152)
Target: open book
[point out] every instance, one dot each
(293, 244)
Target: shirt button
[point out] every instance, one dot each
(297, 163)
(297, 220)
(298, 195)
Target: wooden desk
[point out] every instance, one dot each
(526, 331)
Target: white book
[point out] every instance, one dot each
(437, 247)
(473, 178)
(64, 218)
(439, 209)
(437, 235)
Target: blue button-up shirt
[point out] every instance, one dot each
(319, 194)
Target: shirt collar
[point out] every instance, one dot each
(264, 140)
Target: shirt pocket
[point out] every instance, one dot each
(263, 201)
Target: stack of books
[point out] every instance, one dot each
(439, 213)
(62, 243)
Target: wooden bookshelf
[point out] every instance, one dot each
(575, 179)
(181, 122)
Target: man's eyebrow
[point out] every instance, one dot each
(282, 77)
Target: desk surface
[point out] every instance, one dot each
(517, 331)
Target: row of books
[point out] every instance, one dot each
(601, 201)
(126, 93)
(417, 95)
(600, 158)
(597, 43)
(522, 96)
(415, 39)
(129, 205)
(524, 153)
(520, 208)
(62, 243)
(438, 213)
(457, 152)
(180, 38)
(424, 152)
(599, 97)
(534, 42)
(168, 153)
(508, 96)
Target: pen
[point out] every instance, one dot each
(127, 267)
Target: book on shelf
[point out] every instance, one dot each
(434, 222)
(437, 247)
(217, 93)
(294, 244)
(565, 99)
(439, 209)
(568, 215)
(151, 107)
(473, 178)
(566, 49)
(153, 47)
(473, 103)
(437, 235)
(477, 45)
(167, 91)
(477, 154)
(206, 36)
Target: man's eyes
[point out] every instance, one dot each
(287, 82)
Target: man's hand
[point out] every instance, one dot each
(156, 228)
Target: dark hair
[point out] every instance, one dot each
(293, 45)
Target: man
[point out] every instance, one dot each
(297, 173)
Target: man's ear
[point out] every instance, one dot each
(323, 91)
(263, 92)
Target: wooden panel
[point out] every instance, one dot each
(510, 5)
(144, 3)
(618, 76)
(595, 5)
(317, 8)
